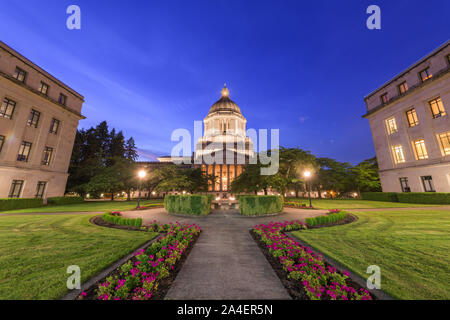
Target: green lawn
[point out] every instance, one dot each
(35, 252)
(412, 248)
(356, 204)
(87, 206)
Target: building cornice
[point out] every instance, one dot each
(25, 86)
(34, 66)
(433, 53)
(410, 91)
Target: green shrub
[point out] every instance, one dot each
(64, 200)
(424, 197)
(317, 221)
(116, 219)
(196, 204)
(15, 204)
(260, 205)
(380, 196)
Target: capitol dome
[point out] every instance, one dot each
(225, 104)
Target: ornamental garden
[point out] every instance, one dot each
(180, 240)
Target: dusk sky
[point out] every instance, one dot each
(304, 67)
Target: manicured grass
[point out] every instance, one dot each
(356, 204)
(35, 252)
(87, 206)
(412, 248)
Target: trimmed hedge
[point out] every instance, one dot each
(20, 203)
(260, 205)
(116, 219)
(317, 221)
(409, 197)
(380, 196)
(424, 197)
(196, 204)
(64, 200)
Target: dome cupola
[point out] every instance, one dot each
(225, 104)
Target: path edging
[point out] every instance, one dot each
(72, 295)
(378, 293)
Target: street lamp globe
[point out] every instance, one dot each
(307, 174)
(142, 174)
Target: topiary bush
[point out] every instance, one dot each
(196, 204)
(260, 205)
(424, 197)
(64, 200)
(380, 196)
(22, 203)
(117, 219)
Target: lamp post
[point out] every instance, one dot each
(307, 175)
(141, 175)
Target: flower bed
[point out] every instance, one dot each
(334, 216)
(114, 217)
(151, 206)
(305, 274)
(295, 204)
(149, 274)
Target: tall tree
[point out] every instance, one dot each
(366, 177)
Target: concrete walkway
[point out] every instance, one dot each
(226, 263)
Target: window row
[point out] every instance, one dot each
(427, 184)
(402, 88)
(21, 75)
(7, 111)
(437, 111)
(420, 150)
(25, 150)
(17, 188)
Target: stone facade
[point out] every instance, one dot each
(39, 117)
(410, 126)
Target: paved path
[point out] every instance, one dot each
(226, 263)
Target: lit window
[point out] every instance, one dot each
(420, 149)
(399, 157)
(54, 126)
(44, 88)
(40, 189)
(437, 108)
(404, 184)
(16, 189)
(24, 151)
(33, 120)
(427, 182)
(48, 152)
(384, 98)
(62, 99)
(403, 87)
(391, 125)
(411, 115)
(7, 108)
(20, 75)
(425, 74)
(444, 139)
(2, 142)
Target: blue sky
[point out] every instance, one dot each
(149, 67)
